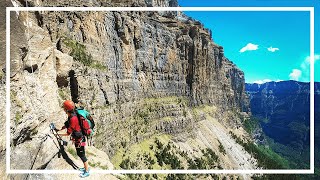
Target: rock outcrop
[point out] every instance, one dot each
(141, 74)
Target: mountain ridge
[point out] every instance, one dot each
(284, 112)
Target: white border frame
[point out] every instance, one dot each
(274, 171)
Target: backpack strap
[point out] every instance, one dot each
(80, 122)
(67, 123)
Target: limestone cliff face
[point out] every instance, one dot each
(148, 55)
(141, 74)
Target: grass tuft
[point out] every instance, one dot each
(78, 52)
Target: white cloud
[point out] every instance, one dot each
(306, 63)
(305, 67)
(249, 47)
(271, 49)
(316, 58)
(265, 81)
(262, 81)
(295, 74)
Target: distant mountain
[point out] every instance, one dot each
(284, 112)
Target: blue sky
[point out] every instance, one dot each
(246, 37)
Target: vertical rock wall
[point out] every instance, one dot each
(139, 73)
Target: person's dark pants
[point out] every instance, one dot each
(82, 153)
(80, 149)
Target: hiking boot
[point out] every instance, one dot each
(84, 174)
(83, 169)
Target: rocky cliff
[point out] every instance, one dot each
(144, 76)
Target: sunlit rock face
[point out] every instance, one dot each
(140, 74)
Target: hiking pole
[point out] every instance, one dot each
(55, 133)
(61, 144)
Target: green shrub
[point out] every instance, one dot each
(221, 148)
(2, 75)
(18, 117)
(265, 156)
(73, 152)
(177, 177)
(164, 156)
(251, 124)
(142, 114)
(94, 164)
(209, 160)
(98, 66)
(78, 51)
(124, 144)
(62, 94)
(125, 164)
(13, 95)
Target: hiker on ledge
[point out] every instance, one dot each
(74, 129)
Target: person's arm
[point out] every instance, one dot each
(63, 127)
(71, 126)
(67, 126)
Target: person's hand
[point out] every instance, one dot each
(63, 127)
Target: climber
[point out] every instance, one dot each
(74, 129)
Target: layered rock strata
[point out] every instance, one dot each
(139, 73)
